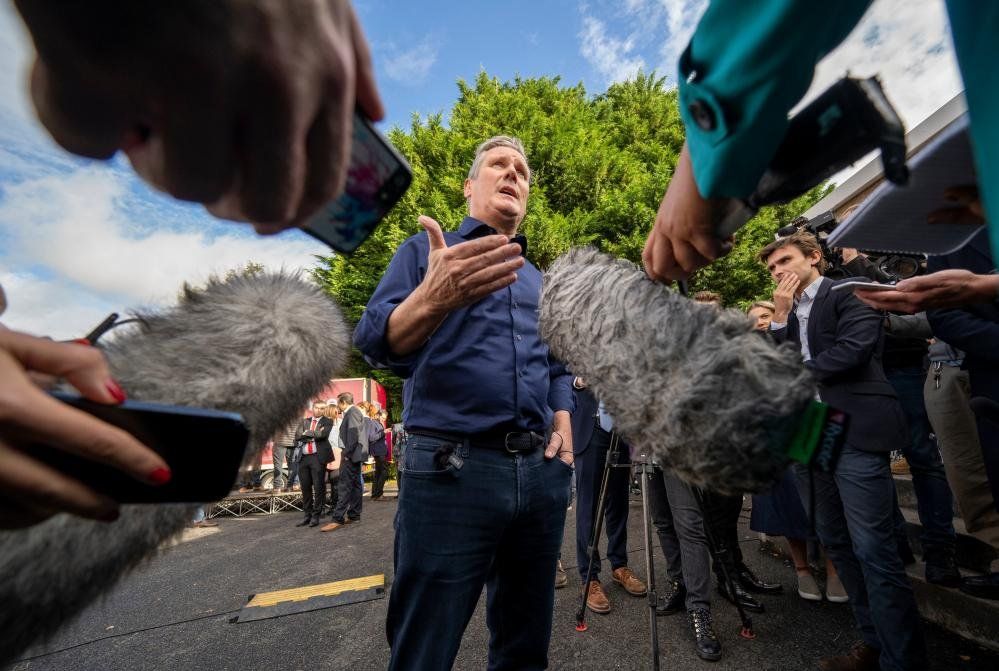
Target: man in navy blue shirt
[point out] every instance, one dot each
(487, 410)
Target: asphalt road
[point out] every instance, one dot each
(174, 612)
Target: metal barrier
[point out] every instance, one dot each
(255, 503)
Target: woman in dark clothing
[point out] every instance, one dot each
(781, 513)
(377, 448)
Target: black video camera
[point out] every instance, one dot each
(884, 268)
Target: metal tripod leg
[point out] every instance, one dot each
(598, 524)
(647, 470)
(747, 623)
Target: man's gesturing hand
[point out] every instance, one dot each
(465, 273)
(456, 276)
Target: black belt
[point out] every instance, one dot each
(513, 442)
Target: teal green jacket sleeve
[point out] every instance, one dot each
(746, 66)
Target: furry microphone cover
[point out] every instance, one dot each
(261, 346)
(712, 399)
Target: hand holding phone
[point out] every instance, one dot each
(203, 449)
(30, 490)
(377, 177)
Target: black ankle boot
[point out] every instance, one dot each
(708, 645)
(941, 569)
(673, 600)
(752, 582)
(745, 600)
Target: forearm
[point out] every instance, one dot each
(412, 323)
(562, 425)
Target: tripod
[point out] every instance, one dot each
(645, 469)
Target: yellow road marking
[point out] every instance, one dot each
(310, 591)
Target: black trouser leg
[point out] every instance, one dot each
(310, 474)
(722, 514)
(378, 483)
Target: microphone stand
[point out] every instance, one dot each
(645, 469)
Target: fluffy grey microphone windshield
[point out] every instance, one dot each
(694, 385)
(261, 346)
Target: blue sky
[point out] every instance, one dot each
(79, 239)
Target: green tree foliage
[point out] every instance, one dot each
(600, 167)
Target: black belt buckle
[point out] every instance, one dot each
(519, 435)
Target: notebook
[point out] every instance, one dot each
(893, 218)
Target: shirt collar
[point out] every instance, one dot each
(473, 228)
(812, 289)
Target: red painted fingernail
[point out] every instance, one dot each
(82, 341)
(115, 390)
(160, 476)
(109, 516)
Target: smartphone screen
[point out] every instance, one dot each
(376, 179)
(204, 449)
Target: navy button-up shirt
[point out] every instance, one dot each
(485, 367)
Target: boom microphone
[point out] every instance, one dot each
(692, 384)
(261, 346)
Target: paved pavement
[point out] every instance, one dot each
(174, 612)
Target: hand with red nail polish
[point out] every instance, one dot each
(31, 491)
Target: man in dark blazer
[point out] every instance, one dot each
(354, 438)
(313, 437)
(590, 443)
(840, 340)
(975, 329)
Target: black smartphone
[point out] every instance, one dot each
(204, 449)
(377, 177)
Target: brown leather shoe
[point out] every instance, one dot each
(627, 579)
(596, 600)
(332, 526)
(862, 657)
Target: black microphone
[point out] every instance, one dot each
(693, 385)
(261, 346)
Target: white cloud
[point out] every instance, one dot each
(610, 56)
(72, 228)
(411, 66)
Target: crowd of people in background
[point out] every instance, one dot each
(907, 389)
(321, 456)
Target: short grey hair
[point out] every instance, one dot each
(493, 142)
(345, 397)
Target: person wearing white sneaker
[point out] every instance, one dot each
(835, 592)
(808, 589)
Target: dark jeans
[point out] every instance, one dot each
(378, 481)
(495, 522)
(312, 473)
(853, 519)
(349, 492)
(679, 524)
(589, 475)
(721, 513)
(294, 456)
(934, 500)
(333, 480)
(279, 455)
